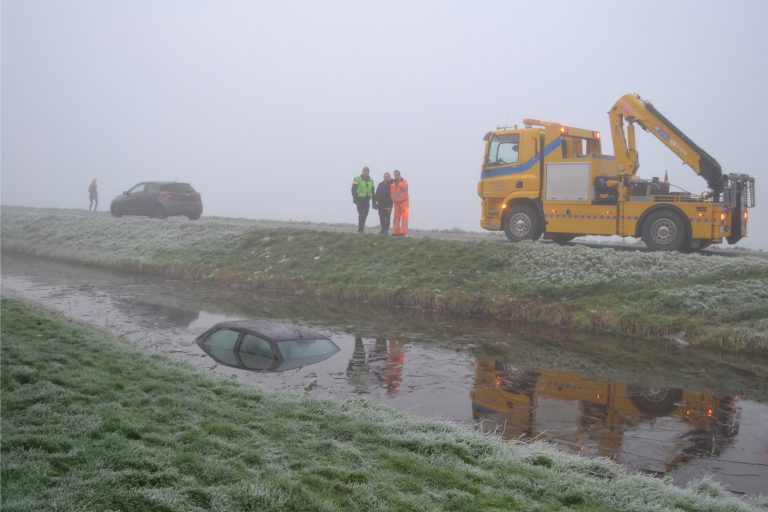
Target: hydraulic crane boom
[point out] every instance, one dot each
(632, 109)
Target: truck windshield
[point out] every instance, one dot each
(503, 149)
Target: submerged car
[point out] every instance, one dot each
(159, 199)
(264, 345)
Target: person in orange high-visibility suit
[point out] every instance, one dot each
(398, 189)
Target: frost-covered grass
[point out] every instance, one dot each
(575, 268)
(90, 423)
(715, 300)
(723, 300)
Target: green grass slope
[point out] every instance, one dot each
(715, 300)
(91, 423)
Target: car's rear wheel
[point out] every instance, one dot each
(116, 211)
(159, 212)
(193, 217)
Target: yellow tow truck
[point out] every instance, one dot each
(553, 180)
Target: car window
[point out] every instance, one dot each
(177, 187)
(225, 339)
(138, 188)
(153, 187)
(256, 346)
(300, 349)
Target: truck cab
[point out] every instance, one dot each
(532, 176)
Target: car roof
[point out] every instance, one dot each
(276, 331)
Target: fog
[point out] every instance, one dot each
(270, 109)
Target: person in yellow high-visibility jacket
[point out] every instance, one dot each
(362, 192)
(398, 189)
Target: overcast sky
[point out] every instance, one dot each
(270, 109)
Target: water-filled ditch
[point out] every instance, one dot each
(653, 407)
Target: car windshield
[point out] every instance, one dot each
(305, 348)
(177, 187)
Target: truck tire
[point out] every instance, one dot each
(664, 230)
(655, 401)
(521, 223)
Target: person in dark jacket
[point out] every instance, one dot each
(93, 196)
(362, 192)
(382, 201)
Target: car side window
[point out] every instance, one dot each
(137, 189)
(256, 346)
(152, 188)
(223, 339)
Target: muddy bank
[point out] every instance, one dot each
(707, 300)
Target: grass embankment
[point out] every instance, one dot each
(715, 300)
(91, 423)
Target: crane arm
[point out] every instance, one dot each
(631, 109)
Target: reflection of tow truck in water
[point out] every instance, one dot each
(653, 429)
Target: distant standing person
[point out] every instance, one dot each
(362, 192)
(93, 195)
(382, 200)
(399, 192)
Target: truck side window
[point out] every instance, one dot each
(504, 149)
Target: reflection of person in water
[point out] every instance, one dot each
(377, 366)
(357, 370)
(394, 375)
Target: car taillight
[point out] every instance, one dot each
(168, 195)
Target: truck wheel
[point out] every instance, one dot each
(521, 223)
(116, 210)
(664, 231)
(655, 401)
(159, 212)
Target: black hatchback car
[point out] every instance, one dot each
(159, 199)
(264, 345)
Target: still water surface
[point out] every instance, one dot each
(652, 407)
